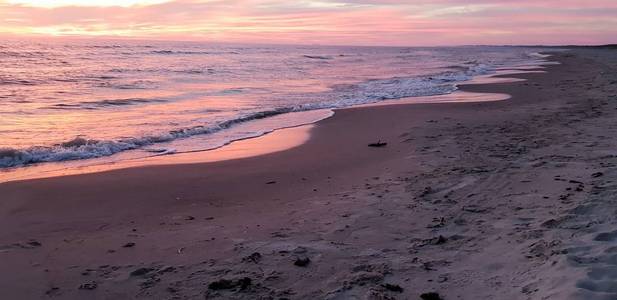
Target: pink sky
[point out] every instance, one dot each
(349, 22)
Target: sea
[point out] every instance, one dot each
(108, 100)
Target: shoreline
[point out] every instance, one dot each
(80, 138)
(470, 200)
(255, 146)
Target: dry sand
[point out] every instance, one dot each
(510, 199)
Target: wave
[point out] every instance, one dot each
(106, 103)
(190, 71)
(8, 81)
(84, 148)
(176, 52)
(100, 46)
(402, 87)
(23, 54)
(111, 103)
(538, 55)
(370, 91)
(107, 46)
(135, 85)
(317, 57)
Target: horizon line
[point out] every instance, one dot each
(146, 39)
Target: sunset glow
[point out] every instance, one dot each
(100, 3)
(361, 22)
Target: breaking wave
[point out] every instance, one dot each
(84, 148)
(353, 94)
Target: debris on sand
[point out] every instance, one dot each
(34, 243)
(91, 285)
(379, 144)
(597, 174)
(223, 284)
(254, 258)
(302, 261)
(227, 284)
(393, 287)
(141, 271)
(53, 291)
(439, 240)
(431, 296)
(244, 283)
(128, 245)
(30, 244)
(426, 191)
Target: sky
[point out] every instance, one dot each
(325, 22)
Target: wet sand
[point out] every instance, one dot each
(492, 200)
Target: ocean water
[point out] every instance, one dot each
(74, 100)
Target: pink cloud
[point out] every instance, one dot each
(362, 22)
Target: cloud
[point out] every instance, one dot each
(60, 3)
(362, 22)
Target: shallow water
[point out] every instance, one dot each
(71, 100)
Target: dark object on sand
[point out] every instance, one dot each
(302, 262)
(226, 284)
(255, 258)
(88, 286)
(244, 283)
(426, 191)
(440, 240)
(31, 244)
(379, 144)
(141, 271)
(223, 284)
(52, 291)
(431, 296)
(393, 287)
(34, 243)
(271, 182)
(597, 174)
(129, 245)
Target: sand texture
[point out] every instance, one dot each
(512, 199)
